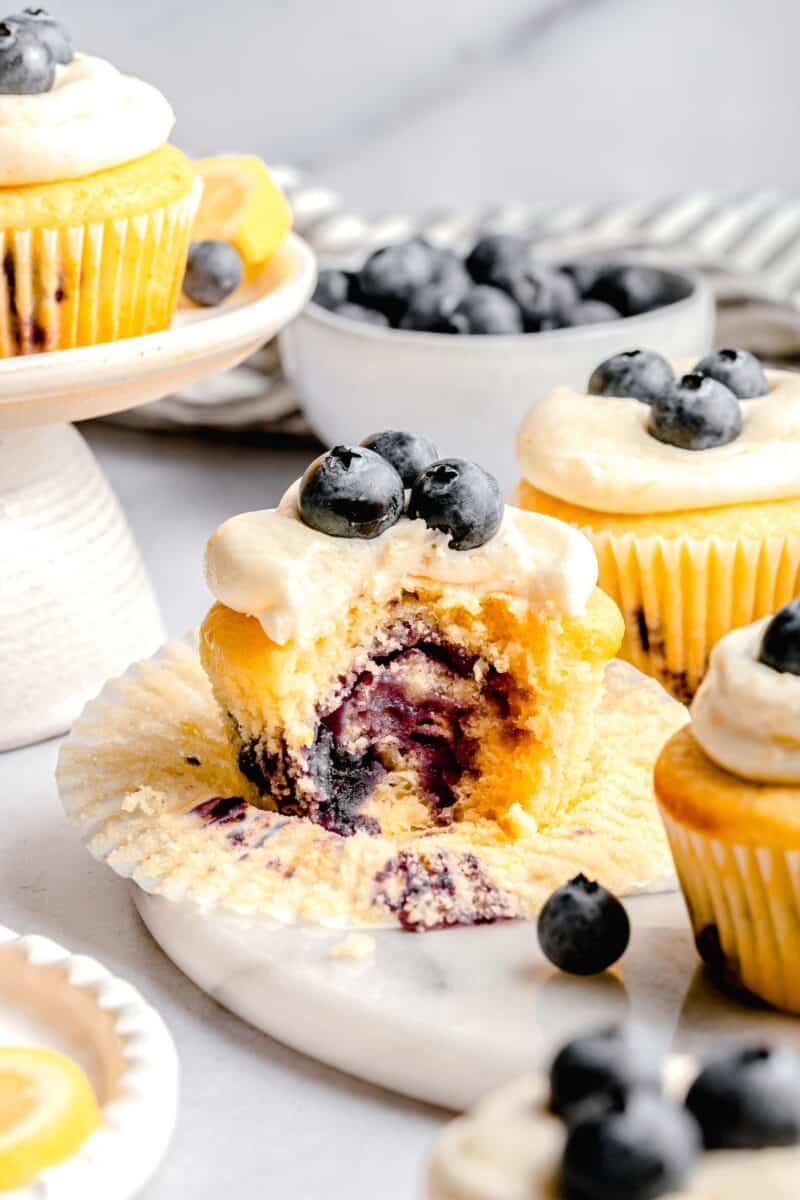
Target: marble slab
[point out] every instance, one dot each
(445, 1017)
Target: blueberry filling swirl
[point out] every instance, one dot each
(410, 711)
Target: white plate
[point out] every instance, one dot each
(72, 1004)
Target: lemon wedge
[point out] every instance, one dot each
(47, 1110)
(242, 205)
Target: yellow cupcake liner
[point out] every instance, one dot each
(79, 285)
(744, 906)
(150, 779)
(679, 596)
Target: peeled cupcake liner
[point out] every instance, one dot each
(744, 906)
(77, 285)
(152, 747)
(679, 596)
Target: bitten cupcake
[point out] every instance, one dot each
(689, 490)
(96, 209)
(728, 786)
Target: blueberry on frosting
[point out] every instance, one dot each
(408, 453)
(698, 413)
(45, 27)
(583, 929)
(460, 499)
(214, 270)
(27, 66)
(351, 492)
(618, 1058)
(640, 1146)
(739, 370)
(748, 1099)
(634, 374)
(780, 646)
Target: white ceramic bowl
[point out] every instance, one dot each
(468, 393)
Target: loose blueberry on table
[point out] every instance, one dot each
(214, 270)
(619, 1058)
(498, 288)
(583, 929)
(780, 646)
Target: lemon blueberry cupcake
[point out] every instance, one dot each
(385, 669)
(689, 490)
(96, 208)
(611, 1121)
(729, 789)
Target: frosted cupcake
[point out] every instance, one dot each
(689, 490)
(96, 208)
(729, 790)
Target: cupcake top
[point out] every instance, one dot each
(746, 715)
(65, 115)
(355, 524)
(642, 440)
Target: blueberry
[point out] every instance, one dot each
(748, 1099)
(583, 929)
(431, 310)
(590, 312)
(458, 498)
(487, 310)
(351, 492)
(631, 289)
(390, 276)
(213, 270)
(543, 295)
(584, 272)
(54, 35)
(637, 374)
(739, 370)
(27, 67)
(697, 414)
(450, 273)
(494, 250)
(332, 290)
(641, 1146)
(780, 646)
(408, 453)
(358, 312)
(619, 1058)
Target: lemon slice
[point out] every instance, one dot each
(47, 1110)
(242, 205)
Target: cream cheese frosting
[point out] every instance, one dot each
(296, 581)
(595, 452)
(746, 716)
(93, 118)
(510, 1147)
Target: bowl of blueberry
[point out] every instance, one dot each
(462, 345)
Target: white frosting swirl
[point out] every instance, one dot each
(92, 118)
(297, 581)
(595, 451)
(746, 716)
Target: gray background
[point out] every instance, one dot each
(421, 102)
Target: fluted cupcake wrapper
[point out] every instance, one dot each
(679, 596)
(78, 285)
(744, 905)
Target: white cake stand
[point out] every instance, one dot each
(76, 606)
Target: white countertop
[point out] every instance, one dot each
(256, 1119)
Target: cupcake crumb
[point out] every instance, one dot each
(354, 946)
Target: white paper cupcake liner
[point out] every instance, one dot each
(149, 778)
(78, 285)
(744, 906)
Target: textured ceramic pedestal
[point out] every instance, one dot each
(445, 1017)
(75, 603)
